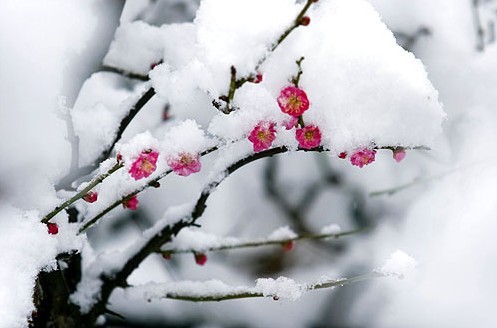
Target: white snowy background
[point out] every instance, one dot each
(361, 85)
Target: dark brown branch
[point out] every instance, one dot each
(126, 121)
(235, 83)
(165, 235)
(124, 73)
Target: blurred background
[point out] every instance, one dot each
(439, 206)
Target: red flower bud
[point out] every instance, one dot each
(53, 228)
(200, 258)
(305, 20)
(258, 78)
(90, 197)
(288, 245)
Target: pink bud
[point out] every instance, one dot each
(290, 123)
(288, 245)
(91, 197)
(342, 155)
(399, 154)
(305, 20)
(131, 203)
(53, 228)
(200, 258)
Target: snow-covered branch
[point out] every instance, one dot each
(282, 288)
(198, 242)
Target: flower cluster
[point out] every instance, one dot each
(292, 101)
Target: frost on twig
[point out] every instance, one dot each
(190, 240)
(282, 288)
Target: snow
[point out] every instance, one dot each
(372, 91)
(25, 249)
(101, 105)
(187, 137)
(194, 239)
(398, 264)
(132, 149)
(331, 229)
(210, 288)
(282, 233)
(135, 48)
(283, 288)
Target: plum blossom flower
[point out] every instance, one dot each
(363, 157)
(131, 203)
(293, 101)
(262, 135)
(399, 154)
(144, 165)
(185, 164)
(308, 137)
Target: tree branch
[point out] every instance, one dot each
(82, 193)
(231, 293)
(261, 242)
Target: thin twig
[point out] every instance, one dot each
(151, 183)
(257, 243)
(480, 33)
(235, 83)
(126, 121)
(82, 193)
(124, 73)
(254, 291)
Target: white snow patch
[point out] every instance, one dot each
(282, 288)
(398, 264)
(331, 229)
(282, 233)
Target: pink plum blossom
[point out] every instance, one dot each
(144, 165)
(262, 135)
(363, 157)
(308, 137)
(293, 101)
(290, 123)
(131, 203)
(399, 154)
(185, 164)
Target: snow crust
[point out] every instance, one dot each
(331, 229)
(26, 248)
(282, 233)
(398, 264)
(362, 86)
